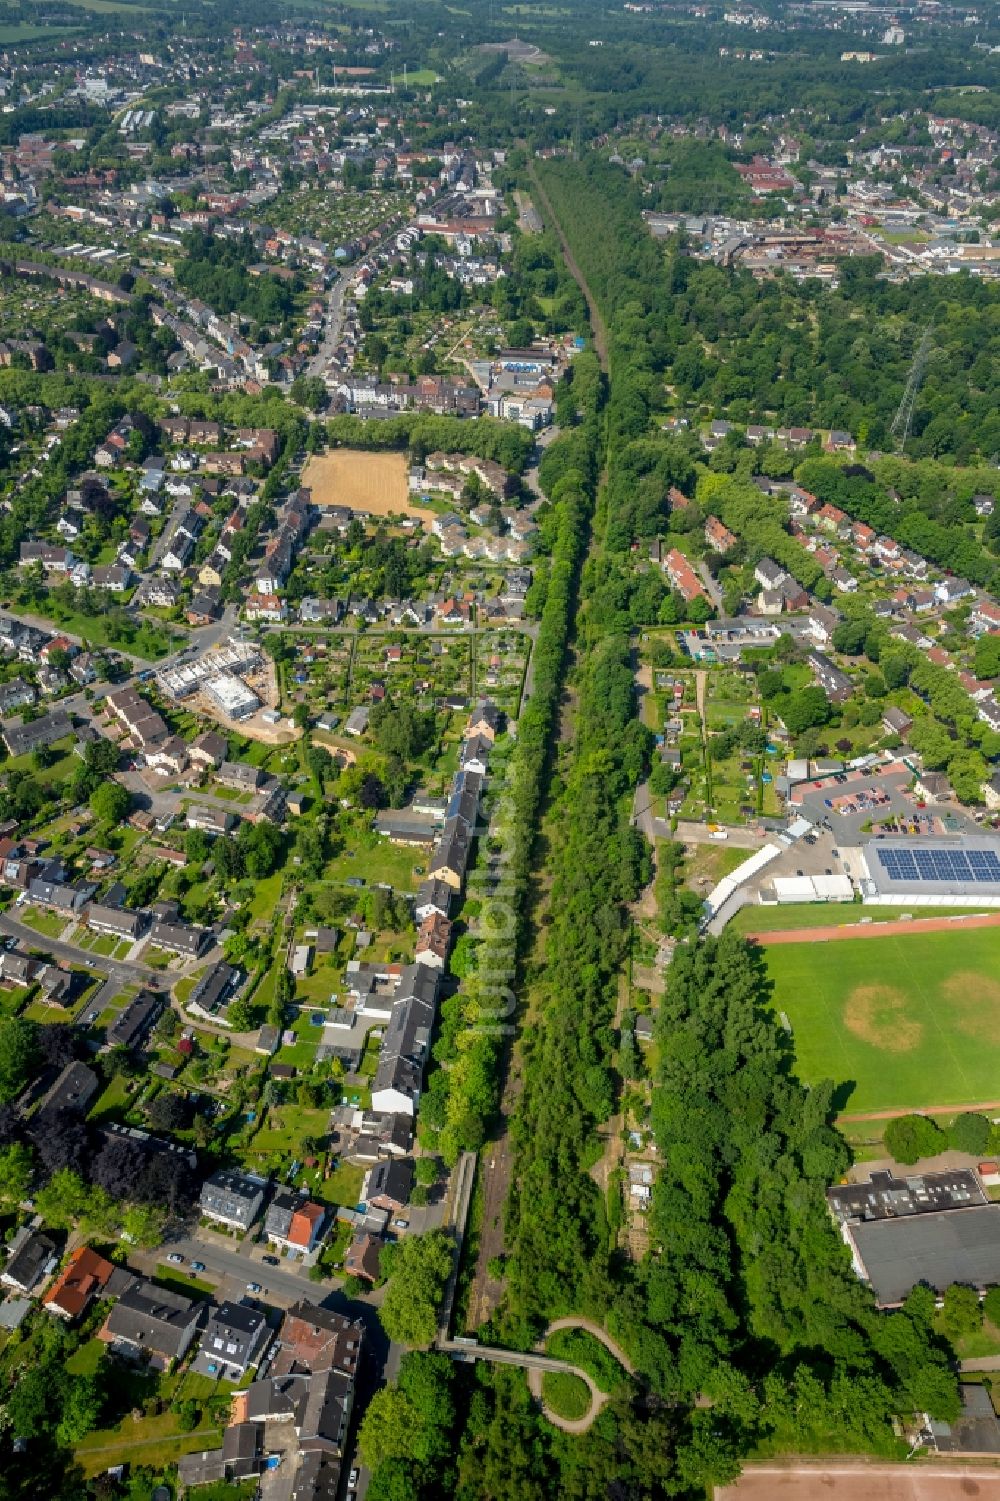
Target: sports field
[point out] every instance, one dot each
(901, 1022)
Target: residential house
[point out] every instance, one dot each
(213, 991)
(132, 1024)
(118, 921)
(179, 938)
(433, 941)
(835, 684)
(296, 1419)
(388, 1185)
(719, 538)
(152, 1323)
(84, 1277)
(683, 577)
(362, 1257)
(294, 1223)
(896, 722)
(72, 1092)
(232, 1343)
(31, 1258)
(208, 751)
(233, 1198)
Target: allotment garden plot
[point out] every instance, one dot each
(901, 1022)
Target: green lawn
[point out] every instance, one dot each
(343, 1185)
(152, 1442)
(566, 1394)
(286, 1127)
(112, 1101)
(902, 1021)
(85, 1360)
(50, 924)
(783, 919)
(984, 1342)
(150, 641)
(581, 1349)
(176, 1280)
(375, 859)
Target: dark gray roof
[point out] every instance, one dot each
(118, 919)
(434, 894)
(952, 1245)
(391, 1179)
(214, 986)
(152, 1318)
(234, 1324)
(74, 1089)
(132, 1024)
(232, 1195)
(452, 851)
(26, 1264)
(408, 1034)
(885, 1197)
(43, 731)
(179, 937)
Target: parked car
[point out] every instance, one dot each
(254, 1287)
(270, 1260)
(176, 1258)
(197, 1266)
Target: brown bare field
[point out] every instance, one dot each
(971, 997)
(875, 1014)
(372, 482)
(843, 1481)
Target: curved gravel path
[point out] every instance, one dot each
(597, 1397)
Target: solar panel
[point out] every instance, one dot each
(941, 865)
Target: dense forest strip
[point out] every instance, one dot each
(597, 324)
(747, 1295)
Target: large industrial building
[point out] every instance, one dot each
(936, 1228)
(943, 872)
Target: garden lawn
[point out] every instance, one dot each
(152, 1442)
(343, 1185)
(286, 1127)
(376, 860)
(905, 1021)
(50, 924)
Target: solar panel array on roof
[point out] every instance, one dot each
(940, 865)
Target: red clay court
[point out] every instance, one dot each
(843, 1481)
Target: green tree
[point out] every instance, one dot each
(419, 1273)
(389, 1428)
(18, 1055)
(961, 1314)
(81, 1410)
(969, 1132)
(15, 1174)
(110, 803)
(909, 1137)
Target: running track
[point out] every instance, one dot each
(876, 929)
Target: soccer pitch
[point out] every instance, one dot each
(906, 1021)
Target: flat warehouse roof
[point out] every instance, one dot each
(953, 1245)
(965, 866)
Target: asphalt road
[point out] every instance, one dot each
(124, 969)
